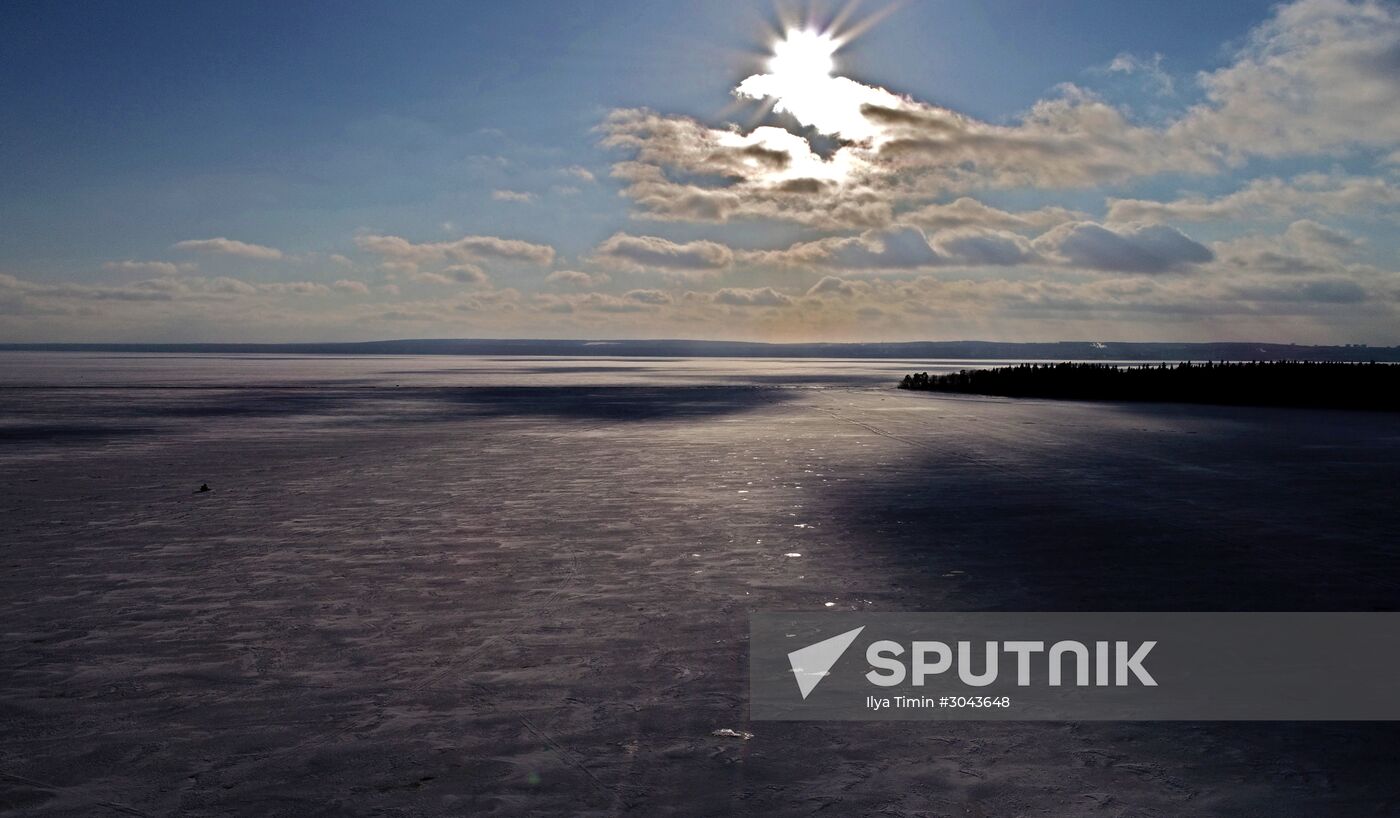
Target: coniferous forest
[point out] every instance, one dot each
(1270, 383)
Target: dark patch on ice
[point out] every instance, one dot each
(1184, 549)
(1246, 509)
(40, 416)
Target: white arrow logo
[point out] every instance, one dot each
(811, 664)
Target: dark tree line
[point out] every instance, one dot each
(1271, 383)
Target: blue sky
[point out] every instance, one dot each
(149, 146)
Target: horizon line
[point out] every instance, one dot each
(673, 340)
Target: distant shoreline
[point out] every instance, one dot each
(1310, 384)
(956, 350)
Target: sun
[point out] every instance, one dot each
(800, 79)
(800, 85)
(804, 55)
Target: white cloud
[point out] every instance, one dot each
(1228, 303)
(1269, 198)
(1316, 291)
(1134, 248)
(648, 296)
(575, 278)
(975, 247)
(467, 249)
(165, 289)
(230, 247)
(968, 212)
(1149, 68)
(293, 288)
(1131, 248)
(455, 274)
(158, 268)
(345, 285)
(640, 253)
(466, 274)
(901, 248)
(1319, 76)
(516, 196)
(1304, 248)
(670, 155)
(580, 173)
(837, 286)
(758, 297)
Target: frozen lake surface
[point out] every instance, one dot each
(500, 586)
